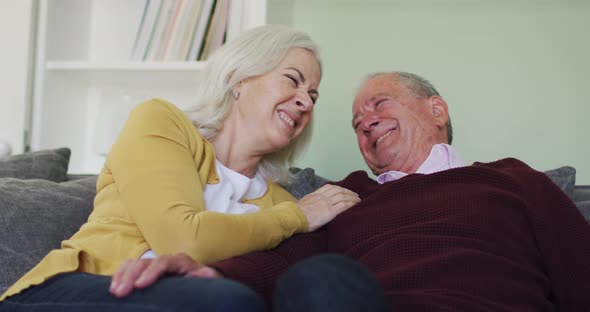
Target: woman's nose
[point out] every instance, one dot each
(304, 101)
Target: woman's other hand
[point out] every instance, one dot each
(325, 203)
(141, 273)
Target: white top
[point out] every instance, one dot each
(442, 157)
(227, 195)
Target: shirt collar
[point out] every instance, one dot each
(442, 157)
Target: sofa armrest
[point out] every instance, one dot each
(582, 193)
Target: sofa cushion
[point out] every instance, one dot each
(565, 178)
(584, 207)
(582, 193)
(35, 216)
(303, 181)
(49, 165)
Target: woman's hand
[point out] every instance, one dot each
(141, 273)
(325, 203)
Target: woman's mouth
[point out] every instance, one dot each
(287, 119)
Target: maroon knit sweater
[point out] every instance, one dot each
(488, 237)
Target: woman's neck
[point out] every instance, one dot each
(234, 151)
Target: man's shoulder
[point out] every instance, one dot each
(504, 163)
(356, 180)
(512, 169)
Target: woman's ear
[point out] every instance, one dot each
(440, 110)
(235, 91)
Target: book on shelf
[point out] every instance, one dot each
(166, 11)
(186, 17)
(185, 40)
(217, 29)
(177, 25)
(201, 30)
(180, 30)
(234, 24)
(169, 29)
(146, 29)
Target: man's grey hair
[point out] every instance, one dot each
(418, 85)
(255, 52)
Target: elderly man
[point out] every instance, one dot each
(437, 235)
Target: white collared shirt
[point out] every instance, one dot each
(442, 157)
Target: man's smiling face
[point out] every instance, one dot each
(395, 128)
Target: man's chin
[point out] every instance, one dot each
(377, 170)
(389, 167)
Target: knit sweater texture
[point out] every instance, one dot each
(486, 237)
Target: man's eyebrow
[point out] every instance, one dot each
(354, 117)
(375, 97)
(302, 78)
(371, 100)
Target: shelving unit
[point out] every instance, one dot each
(84, 83)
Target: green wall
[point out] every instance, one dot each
(514, 73)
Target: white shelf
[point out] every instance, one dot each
(84, 84)
(123, 66)
(128, 74)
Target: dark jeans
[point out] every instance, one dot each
(322, 283)
(328, 283)
(77, 292)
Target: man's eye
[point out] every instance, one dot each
(293, 79)
(379, 102)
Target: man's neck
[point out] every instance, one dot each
(441, 157)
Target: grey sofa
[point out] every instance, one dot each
(41, 205)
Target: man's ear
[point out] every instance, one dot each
(440, 110)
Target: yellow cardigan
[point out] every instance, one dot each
(150, 195)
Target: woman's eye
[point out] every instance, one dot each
(293, 79)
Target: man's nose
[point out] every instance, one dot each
(370, 123)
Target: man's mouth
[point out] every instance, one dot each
(386, 134)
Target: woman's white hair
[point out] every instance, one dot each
(252, 53)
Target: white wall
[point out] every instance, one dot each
(514, 73)
(15, 27)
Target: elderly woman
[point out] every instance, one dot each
(204, 182)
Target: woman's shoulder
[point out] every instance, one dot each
(158, 119)
(157, 106)
(159, 112)
(278, 192)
